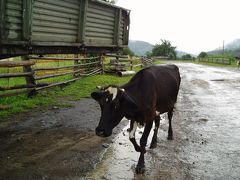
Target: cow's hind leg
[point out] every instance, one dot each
(143, 141)
(170, 132)
(154, 138)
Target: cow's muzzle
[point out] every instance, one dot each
(102, 133)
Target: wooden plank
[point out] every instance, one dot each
(117, 26)
(62, 74)
(52, 38)
(56, 75)
(28, 69)
(99, 21)
(100, 26)
(51, 13)
(54, 19)
(102, 12)
(116, 56)
(91, 34)
(82, 21)
(52, 30)
(7, 64)
(100, 17)
(2, 19)
(27, 20)
(12, 75)
(52, 24)
(23, 86)
(59, 58)
(57, 84)
(8, 94)
(65, 67)
(99, 30)
(120, 60)
(67, 4)
(54, 7)
(101, 7)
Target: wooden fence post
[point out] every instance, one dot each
(101, 63)
(30, 80)
(75, 68)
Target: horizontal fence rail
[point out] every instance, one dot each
(225, 61)
(45, 72)
(121, 65)
(31, 74)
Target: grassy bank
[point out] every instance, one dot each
(77, 90)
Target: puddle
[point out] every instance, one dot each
(120, 159)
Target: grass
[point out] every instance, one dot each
(75, 91)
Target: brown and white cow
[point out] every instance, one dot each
(151, 92)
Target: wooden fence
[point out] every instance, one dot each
(121, 65)
(219, 60)
(35, 75)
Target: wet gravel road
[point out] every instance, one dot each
(59, 143)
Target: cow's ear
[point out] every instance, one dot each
(96, 95)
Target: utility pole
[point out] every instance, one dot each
(223, 52)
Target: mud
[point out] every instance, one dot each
(52, 143)
(59, 143)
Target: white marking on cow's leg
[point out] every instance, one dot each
(133, 130)
(157, 113)
(113, 91)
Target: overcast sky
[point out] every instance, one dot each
(191, 25)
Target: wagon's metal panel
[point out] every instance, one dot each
(61, 26)
(55, 21)
(13, 20)
(99, 15)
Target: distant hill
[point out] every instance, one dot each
(141, 47)
(232, 47)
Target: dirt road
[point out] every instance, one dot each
(59, 143)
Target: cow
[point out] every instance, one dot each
(151, 92)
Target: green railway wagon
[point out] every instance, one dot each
(61, 27)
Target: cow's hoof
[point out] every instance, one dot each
(170, 138)
(153, 145)
(140, 169)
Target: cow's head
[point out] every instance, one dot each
(115, 104)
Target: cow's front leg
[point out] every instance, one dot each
(170, 132)
(132, 131)
(154, 138)
(143, 141)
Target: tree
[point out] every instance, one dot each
(187, 57)
(164, 49)
(127, 51)
(148, 54)
(202, 55)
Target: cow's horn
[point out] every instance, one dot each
(121, 89)
(99, 87)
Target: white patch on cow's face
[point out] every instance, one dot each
(113, 91)
(133, 130)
